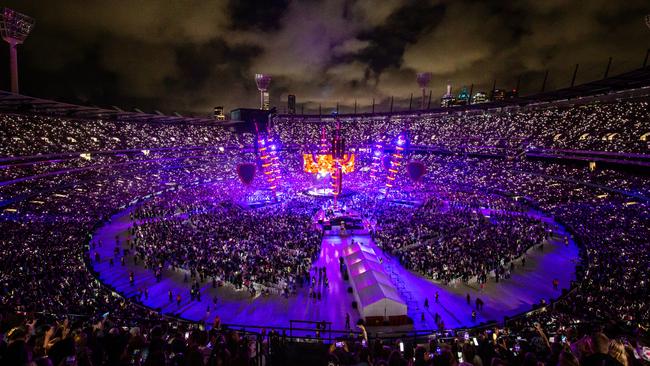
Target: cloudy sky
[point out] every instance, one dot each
(189, 56)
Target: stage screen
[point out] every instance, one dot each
(324, 163)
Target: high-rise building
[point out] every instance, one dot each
(448, 99)
(498, 94)
(291, 104)
(218, 113)
(480, 97)
(463, 97)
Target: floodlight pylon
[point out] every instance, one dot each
(263, 81)
(14, 29)
(423, 79)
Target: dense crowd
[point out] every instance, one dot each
(50, 208)
(448, 243)
(621, 126)
(271, 246)
(39, 339)
(62, 135)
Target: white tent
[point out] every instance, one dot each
(380, 300)
(374, 292)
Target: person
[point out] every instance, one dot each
(178, 300)
(567, 359)
(556, 283)
(617, 351)
(426, 303)
(347, 321)
(474, 315)
(600, 349)
(437, 296)
(468, 298)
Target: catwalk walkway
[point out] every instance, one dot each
(527, 286)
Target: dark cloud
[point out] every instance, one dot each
(401, 28)
(191, 55)
(263, 15)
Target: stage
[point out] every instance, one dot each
(341, 221)
(509, 297)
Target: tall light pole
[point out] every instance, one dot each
(14, 28)
(263, 81)
(423, 79)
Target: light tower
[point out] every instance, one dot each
(423, 79)
(263, 81)
(14, 28)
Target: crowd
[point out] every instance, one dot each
(38, 339)
(620, 126)
(532, 345)
(449, 243)
(271, 246)
(26, 135)
(50, 209)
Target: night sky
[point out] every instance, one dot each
(190, 56)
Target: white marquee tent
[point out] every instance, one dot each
(374, 292)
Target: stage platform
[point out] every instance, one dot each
(341, 221)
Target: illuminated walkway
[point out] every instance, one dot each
(509, 297)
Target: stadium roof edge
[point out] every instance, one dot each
(17, 103)
(631, 80)
(636, 79)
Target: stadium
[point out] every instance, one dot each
(472, 228)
